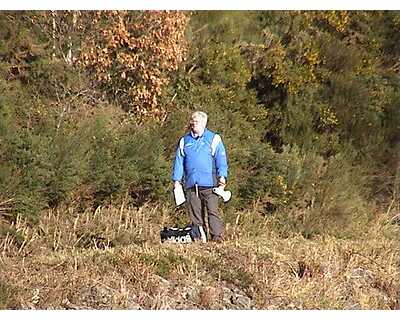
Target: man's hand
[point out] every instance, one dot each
(221, 181)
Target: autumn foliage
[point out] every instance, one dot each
(132, 54)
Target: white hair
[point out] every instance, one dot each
(201, 115)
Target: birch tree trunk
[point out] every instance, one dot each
(70, 58)
(53, 16)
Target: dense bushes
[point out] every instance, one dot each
(306, 107)
(127, 160)
(89, 165)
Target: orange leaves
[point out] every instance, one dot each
(136, 52)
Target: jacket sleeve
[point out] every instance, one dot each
(221, 162)
(177, 173)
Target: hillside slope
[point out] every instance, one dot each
(112, 259)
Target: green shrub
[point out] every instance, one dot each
(128, 160)
(326, 196)
(266, 177)
(53, 78)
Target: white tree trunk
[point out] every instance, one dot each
(53, 15)
(70, 58)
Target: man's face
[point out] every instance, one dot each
(197, 124)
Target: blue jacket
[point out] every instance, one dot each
(200, 160)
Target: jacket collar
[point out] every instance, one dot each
(195, 136)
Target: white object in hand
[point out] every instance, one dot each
(224, 194)
(179, 195)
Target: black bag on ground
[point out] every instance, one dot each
(188, 234)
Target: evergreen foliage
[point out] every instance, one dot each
(307, 104)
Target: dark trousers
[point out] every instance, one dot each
(197, 203)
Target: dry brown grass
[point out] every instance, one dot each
(112, 259)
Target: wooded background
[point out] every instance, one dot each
(92, 104)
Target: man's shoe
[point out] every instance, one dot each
(217, 239)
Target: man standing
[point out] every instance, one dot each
(200, 162)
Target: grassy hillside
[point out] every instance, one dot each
(112, 258)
